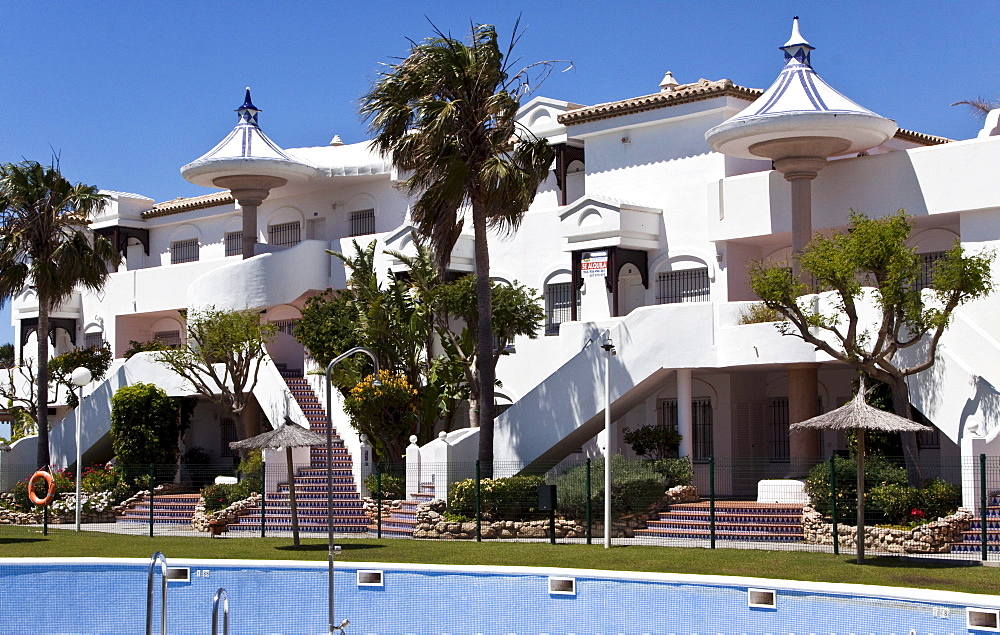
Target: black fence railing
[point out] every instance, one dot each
(746, 503)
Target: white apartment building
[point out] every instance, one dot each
(642, 233)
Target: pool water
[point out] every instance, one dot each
(91, 596)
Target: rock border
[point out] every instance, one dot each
(934, 537)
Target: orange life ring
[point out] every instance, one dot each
(31, 489)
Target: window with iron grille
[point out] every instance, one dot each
(184, 251)
(286, 326)
(93, 339)
(171, 339)
(686, 285)
(779, 429)
(927, 262)
(363, 222)
(559, 305)
(701, 424)
(228, 428)
(284, 234)
(234, 243)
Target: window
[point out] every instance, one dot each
(171, 339)
(927, 262)
(363, 222)
(686, 285)
(558, 305)
(93, 339)
(285, 234)
(701, 424)
(228, 428)
(183, 251)
(285, 326)
(234, 243)
(779, 429)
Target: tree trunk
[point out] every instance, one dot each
(292, 502)
(42, 389)
(911, 453)
(484, 343)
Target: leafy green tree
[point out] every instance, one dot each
(222, 358)
(44, 245)
(7, 355)
(144, 431)
(447, 116)
(870, 262)
(654, 442)
(96, 359)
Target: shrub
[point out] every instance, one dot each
(879, 472)
(758, 313)
(144, 347)
(393, 486)
(198, 464)
(62, 479)
(636, 485)
(903, 505)
(144, 431)
(654, 442)
(506, 498)
(100, 478)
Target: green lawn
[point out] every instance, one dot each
(789, 565)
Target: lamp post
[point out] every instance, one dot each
(329, 463)
(609, 349)
(80, 377)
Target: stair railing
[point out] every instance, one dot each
(224, 597)
(158, 557)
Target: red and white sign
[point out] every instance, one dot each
(594, 264)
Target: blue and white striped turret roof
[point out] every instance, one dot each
(800, 103)
(245, 150)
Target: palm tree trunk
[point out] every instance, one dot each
(911, 452)
(484, 343)
(42, 389)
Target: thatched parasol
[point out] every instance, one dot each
(288, 435)
(858, 415)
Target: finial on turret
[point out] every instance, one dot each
(797, 47)
(248, 112)
(336, 141)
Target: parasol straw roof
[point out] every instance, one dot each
(287, 435)
(857, 414)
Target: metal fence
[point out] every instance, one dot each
(713, 503)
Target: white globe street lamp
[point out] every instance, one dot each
(80, 377)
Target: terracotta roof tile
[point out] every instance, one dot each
(179, 205)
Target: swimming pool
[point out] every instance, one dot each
(109, 596)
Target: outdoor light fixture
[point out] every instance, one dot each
(80, 377)
(329, 464)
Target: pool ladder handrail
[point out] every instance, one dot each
(220, 594)
(162, 559)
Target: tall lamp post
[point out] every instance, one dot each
(609, 349)
(329, 463)
(80, 377)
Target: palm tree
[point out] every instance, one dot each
(446, 114)
(43, 245)
(979, 107)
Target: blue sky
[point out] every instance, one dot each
(126, 93)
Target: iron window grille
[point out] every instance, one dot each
(285, 234)
(227, 427)
(559, 305)
(171, 339)
(363, 222)
(91, 340)
(927, 263)
(701, 424)
(286, 326)
(182, 251)
(686, 285)
(234, 243)
(779, 429)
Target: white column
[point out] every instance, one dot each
(684, 423)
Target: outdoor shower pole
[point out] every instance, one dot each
(329, 458)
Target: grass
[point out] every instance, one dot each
(787, 565)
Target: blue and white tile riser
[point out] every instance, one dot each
(91, 596)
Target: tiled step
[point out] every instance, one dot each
(168, 509)
(734, 520)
